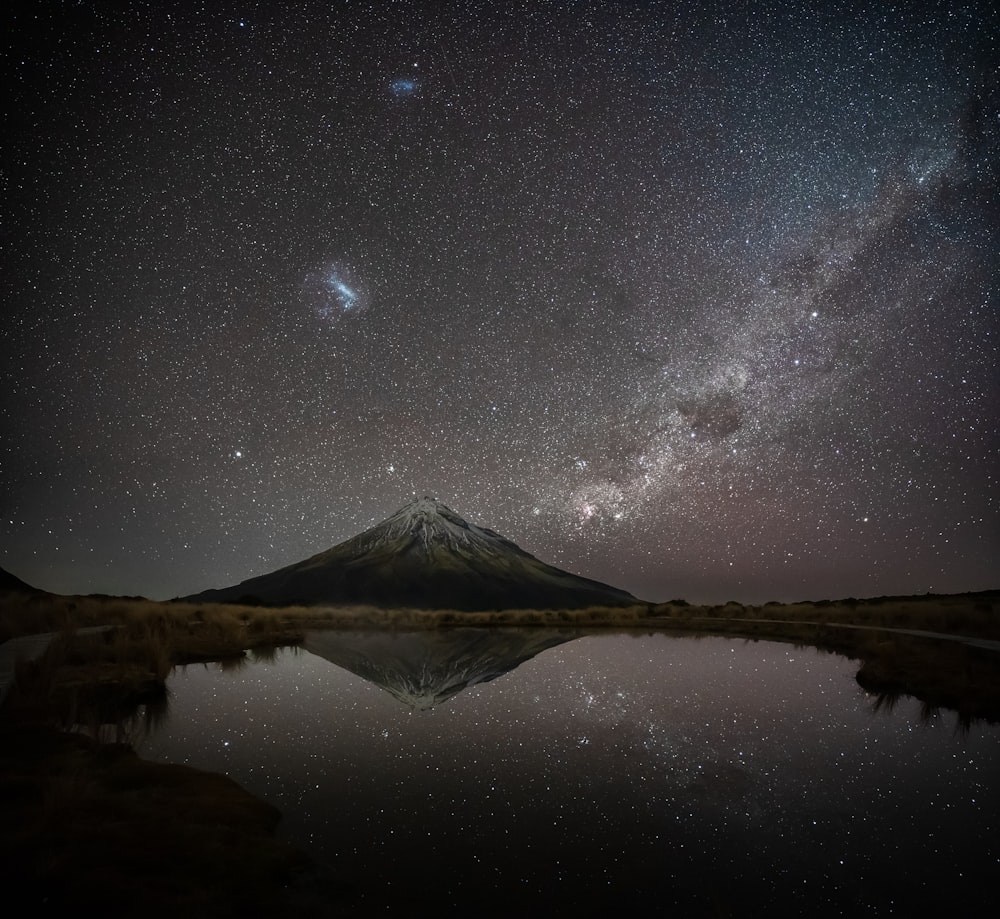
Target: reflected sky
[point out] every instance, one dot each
(712, 775)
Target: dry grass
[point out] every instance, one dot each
(974, 614)
(200, 631)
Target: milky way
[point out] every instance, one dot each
(696, 301)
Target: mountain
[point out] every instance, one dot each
(423, 669)
(424, 556)
(9, 582)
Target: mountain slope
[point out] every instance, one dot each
(425, 556)
(9, 582)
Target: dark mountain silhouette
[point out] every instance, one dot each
(424, 556)
(423, 669)
(9, 582)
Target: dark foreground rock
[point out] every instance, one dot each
(93, 828)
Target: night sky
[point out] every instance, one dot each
(698, 301)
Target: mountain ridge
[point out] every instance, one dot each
(12, 583)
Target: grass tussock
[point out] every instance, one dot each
(942, 675)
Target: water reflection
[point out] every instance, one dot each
(604, 774)
(110, 713)
(114, 717)
(424, 669)
(886, 702)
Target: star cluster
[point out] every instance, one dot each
(698, 299)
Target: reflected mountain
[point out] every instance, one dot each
(423, 669)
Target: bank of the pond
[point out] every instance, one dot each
(889, 636)
(92, 824)
(85, 818)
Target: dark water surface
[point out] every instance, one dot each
(609, 772)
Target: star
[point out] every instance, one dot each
(659, 301)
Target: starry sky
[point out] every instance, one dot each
(699, 299)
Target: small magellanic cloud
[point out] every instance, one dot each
(402, 87)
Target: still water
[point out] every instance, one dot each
(543, 773)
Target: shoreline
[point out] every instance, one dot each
(83, 805)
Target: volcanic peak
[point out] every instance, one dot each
(426, 556)
(424, 525)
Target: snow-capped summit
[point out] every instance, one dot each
(425, 524)
(424, 555)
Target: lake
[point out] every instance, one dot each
(514, 772)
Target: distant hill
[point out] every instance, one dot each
(9, 582)
(424, 556)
